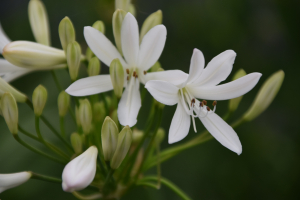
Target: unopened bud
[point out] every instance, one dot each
(114, 116)
(85, 115)
(160, 135)
(123, 145)
(155, 67)
(66, 32)
(76, 142)
(39, 22)
(117, 21)
(99, 111)
(265, 96)
(73, 59)
(99, 25)
(33, 55)
(10, 112)
(109, 137)
(132, 9)
(122, 4)
(89, 54)
(39, 99)
(234, 103)
(137, 136)
(63, 102)
(8, 181)
(94, 67)
(117, 76)
(151, 21)
(5, 87)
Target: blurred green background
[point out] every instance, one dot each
(265, 35)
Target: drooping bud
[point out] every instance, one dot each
(10, 112)
(151, 21)
(99, 25)
(122, 4)
(76, 142)
(137, 136)
(124, 143)
(39, 23)
(132, 9)
(5, 87)
(85, 115)
(73, 59)
(114, 116)
(99, 111)
(33, 55)
(234, 103)
(117, 21)
(39, 99)
(80, 172)
(63, 103)
(109, 136)
(117, 76)
(155, 67)
(8, 181)
(66, 32)
(94, 67)
(265, 96)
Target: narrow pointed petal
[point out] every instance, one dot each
(218, 69)
(222, 132)
(226, 91)
(180, 125)
(90, 85)
(4, 40)
(101, 46)
(128, 111)
(164, 92)
(196, 66)
(152, 46)
(176, 77)
(130, 39)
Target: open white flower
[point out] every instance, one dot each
(138, 58)
(203, 84)
(8, 181)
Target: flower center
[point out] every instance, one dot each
(132, 80)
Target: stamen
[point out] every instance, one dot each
(215, 106)
(214, 103)
(127, 71)
(127, 78)
(207, 108)
(194, 124)
(200, 104)
(204, 102)
(193, 102)
(145, 72)
(134, 74)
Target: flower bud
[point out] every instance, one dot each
(99, 25)
(80, 172)
(85, 115)
(73, 59)
(77, 116)
(99, 111)
(94, 67)
(10, 112)
(39, 99)
(151, 21)
(66, 32)
(109, 136)
(8, 181)
(63, 102)
(117, 76)
(76, 142)
(234, 103)
(5, 87)
(117, 21)
(33, 55)
(160, 135)
(39, 22)
(123, 145)
(265, 95)
(114, 116)
(122, 4)
(89, 54)
(132, 9)
(155, 67)
(137, 136)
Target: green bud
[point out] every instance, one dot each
(137, 136)
(89, 54)
(63, 102)
(10, 113)
(66, 32)
(39, 22)
(234, 103)
(39, 99)
(265, 96)
(99, 25)
(151, 21)
(161, 133)
(114, 116)
(117, 76)
(99, 111)
(117, 21)
(132, 9)
(108, 101)
(156, 67)
(109, 137)
(5, 87)
(77, 116)
(122, 4)
(123, 145)
(94, 67)
(73, 59)
(85, 115)
(76, 142)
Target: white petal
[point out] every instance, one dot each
(222, 132)
(10, 72)
(130, 39)
(101, 46)
(152, 46)
(226, 91)
(90, 85)
(180, 125)
(4, 40)
(130, 105)
(196, 66)
(164, 92)
(218, 69)
(176, 77)
(8, 181)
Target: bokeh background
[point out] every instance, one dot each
(265, 35)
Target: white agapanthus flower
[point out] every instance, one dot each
(8, 181)
(138, 58)
(203, 84)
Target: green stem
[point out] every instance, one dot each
(56, 80)
(28, 134)
(45, 178)
(62, 126)
(108, 178)
(154, 186)
(87, 197)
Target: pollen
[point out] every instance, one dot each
(214, 103)
(204, 102)
(201, 104)
(134, 74)
(127, 78)
(127, 71)
(193, 102)
(207, 108)
(145, 72)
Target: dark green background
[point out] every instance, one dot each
(265, 35)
